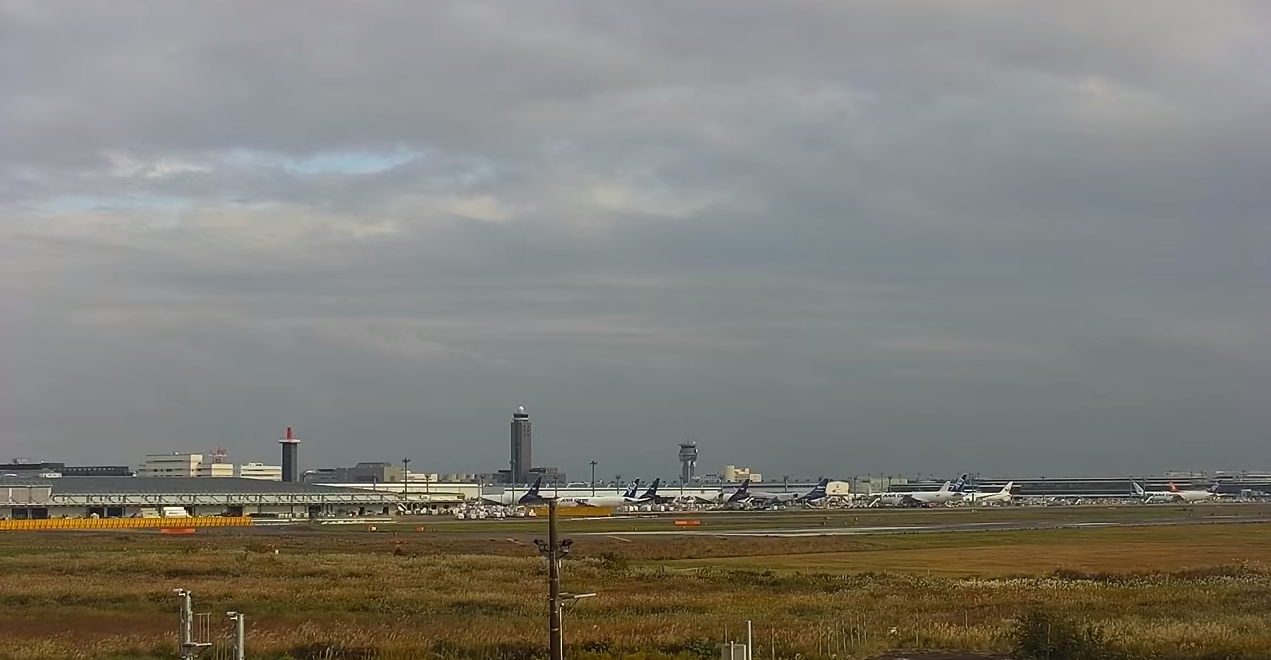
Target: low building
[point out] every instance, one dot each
(260, 471)
(128, 497)
(734, 474)
(214, 470)
(175, 464)
(365, 472)
(64, 470)
(421, 494)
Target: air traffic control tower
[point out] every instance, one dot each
(521, 440)
(688, 461)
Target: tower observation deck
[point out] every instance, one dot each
(688, 461)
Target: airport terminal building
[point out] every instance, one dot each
(126, 497)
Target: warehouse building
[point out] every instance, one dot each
(28, 469)
(127, 497)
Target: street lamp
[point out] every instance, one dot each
(554, 549)
(405, 478)
(593, 478)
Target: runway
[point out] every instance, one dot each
(930, 528)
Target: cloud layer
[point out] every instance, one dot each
(816, 237)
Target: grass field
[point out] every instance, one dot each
(1006, 554)
(1200, 591)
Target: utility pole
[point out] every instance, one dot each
(405, 478)
(186, 634)
(554, 549)
(194, 631)
(240, 634)
(593, 478)
(556, 645)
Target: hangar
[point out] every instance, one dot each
(128, 497)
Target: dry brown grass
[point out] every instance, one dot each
(1004, 554)
(79, 596)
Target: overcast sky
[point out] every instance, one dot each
(816, 237)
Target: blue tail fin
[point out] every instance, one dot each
(531, 496)
(741, 492)
(963, 484)
(652, 492)
(818, 492)
(631, 489)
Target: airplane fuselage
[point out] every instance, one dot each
(598, 501)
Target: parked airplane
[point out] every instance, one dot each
(1175, 495)
(627, 497)
(948, 492)
(1003, 495)
(782, 497)
(529, 497)
(738, 496)
(651, 495)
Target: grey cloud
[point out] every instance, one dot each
(874, 236)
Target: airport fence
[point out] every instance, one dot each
(124, 523)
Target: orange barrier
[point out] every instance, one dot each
(687, 523)
(125, 523)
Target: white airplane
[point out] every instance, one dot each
(947, 493)
(627, 497)
(744, 494)
(1003, 495)
(1176, 495)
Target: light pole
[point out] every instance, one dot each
(240, 634)
(405, 478)
(593, 478)
(554, 549)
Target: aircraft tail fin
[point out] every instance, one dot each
(818, 491)
(1138, 490)
(531, 496)
(652, 492)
